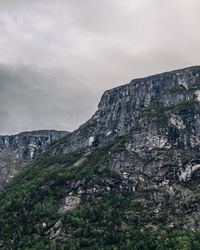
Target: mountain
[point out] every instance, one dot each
(16, 151)
(129, 178)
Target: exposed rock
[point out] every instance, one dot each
(54, 232)
(18, 150)
(161, 116)
(44, 224)
(159, 110)
(2, 243)
(150, 129)
(70, 202)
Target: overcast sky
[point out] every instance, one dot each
(57, 57)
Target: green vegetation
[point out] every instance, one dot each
(26, 201)
(176, 90)
(193, 185)
(64, 139)
(103, 220)
(106, 224)
(157, 111)
(184, 104)
(34, 195)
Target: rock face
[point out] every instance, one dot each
(160, 110)
(135, 165)
(18, 150)
(160, 115)
(69, 203)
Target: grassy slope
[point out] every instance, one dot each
(99, 222)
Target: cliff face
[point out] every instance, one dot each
(165, 108)
(16, 151)
(132, 169)
(160, 118)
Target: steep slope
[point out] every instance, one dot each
(18, 150)
(144, 103)
(126, 179)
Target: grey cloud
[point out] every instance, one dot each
(30, 99)
(74, 50)
(62, 32)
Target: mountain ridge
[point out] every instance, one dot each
(39, 131)
(18, 150)
(195, 67)
(110, 105)
(128, 178)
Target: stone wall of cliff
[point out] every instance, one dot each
(18, 150)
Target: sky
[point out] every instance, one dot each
(57, 57)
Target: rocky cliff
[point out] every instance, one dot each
(129, 178)
(159, 106)
(16, 151)
(160, 118)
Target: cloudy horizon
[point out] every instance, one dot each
(58, 57)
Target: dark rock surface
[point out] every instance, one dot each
(161, 116)
(142, 144)
(160, 110)
(18, 150)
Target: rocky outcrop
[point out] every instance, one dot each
(133, 167)
(161, 111)
(18, 150)
(68, 203)
(160, 116)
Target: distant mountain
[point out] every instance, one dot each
(129, 178)
(18, 150)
